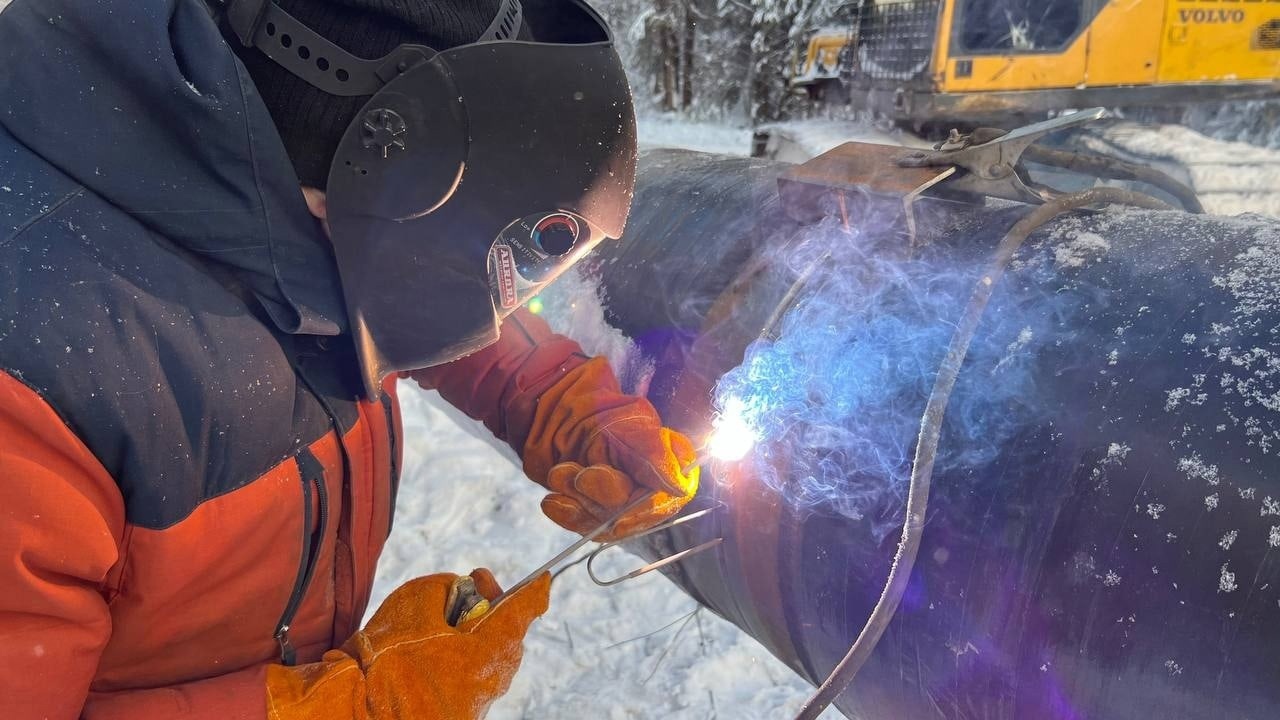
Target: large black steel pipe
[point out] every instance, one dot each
(1103, 540)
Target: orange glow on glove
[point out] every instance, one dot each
(596, 448)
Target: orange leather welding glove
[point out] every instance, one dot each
(597, 449)
(409, 664)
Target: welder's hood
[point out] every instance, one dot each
(473, 178)
(143, 103)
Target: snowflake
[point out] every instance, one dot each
(1118, 451)
(1195, 468)
(1175, 398)
(1227, 580)
(1270, 506)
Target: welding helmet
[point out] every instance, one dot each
(473, 176)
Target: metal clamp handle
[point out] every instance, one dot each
(991, 162)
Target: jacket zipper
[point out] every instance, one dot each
(395, 471)
(312, 473)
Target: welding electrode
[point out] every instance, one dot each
(464, 605)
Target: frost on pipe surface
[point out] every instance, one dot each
(1104, 532)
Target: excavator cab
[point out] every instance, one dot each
(1001, 61)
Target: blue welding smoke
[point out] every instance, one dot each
(836, 390)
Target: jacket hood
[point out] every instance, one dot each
(143, 103)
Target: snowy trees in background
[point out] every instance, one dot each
(781, 31)
(665, 48)
(715, 59)
(672, 26)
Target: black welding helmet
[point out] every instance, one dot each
(472, 178)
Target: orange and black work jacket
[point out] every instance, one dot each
(191, 487)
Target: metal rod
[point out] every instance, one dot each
(657, 564)
(701, 459)
(564, 554)
(649, 567)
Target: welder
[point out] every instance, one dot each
(227, 229)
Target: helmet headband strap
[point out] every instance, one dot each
(312, 57)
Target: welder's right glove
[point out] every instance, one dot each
(597, 449)
(409, 663)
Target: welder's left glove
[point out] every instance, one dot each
(410, 662)
(597, 449)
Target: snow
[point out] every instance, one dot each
(1270, 506)
(1014, 348)
(1230, 177)
(573, 306)
(797, 141)
(1227, 580)
(662, 131)
(1079, 249)
(1196, 468)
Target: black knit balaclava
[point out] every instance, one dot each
(311, 122)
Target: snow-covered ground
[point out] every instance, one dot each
(704, 136)
(1230, 177)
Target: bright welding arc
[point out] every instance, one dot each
(732, 437)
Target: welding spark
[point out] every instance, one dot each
(732, 436)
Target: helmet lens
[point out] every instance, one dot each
(532, 252)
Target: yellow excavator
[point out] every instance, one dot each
(998, 61)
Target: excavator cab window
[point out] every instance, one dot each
(1018, 26)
